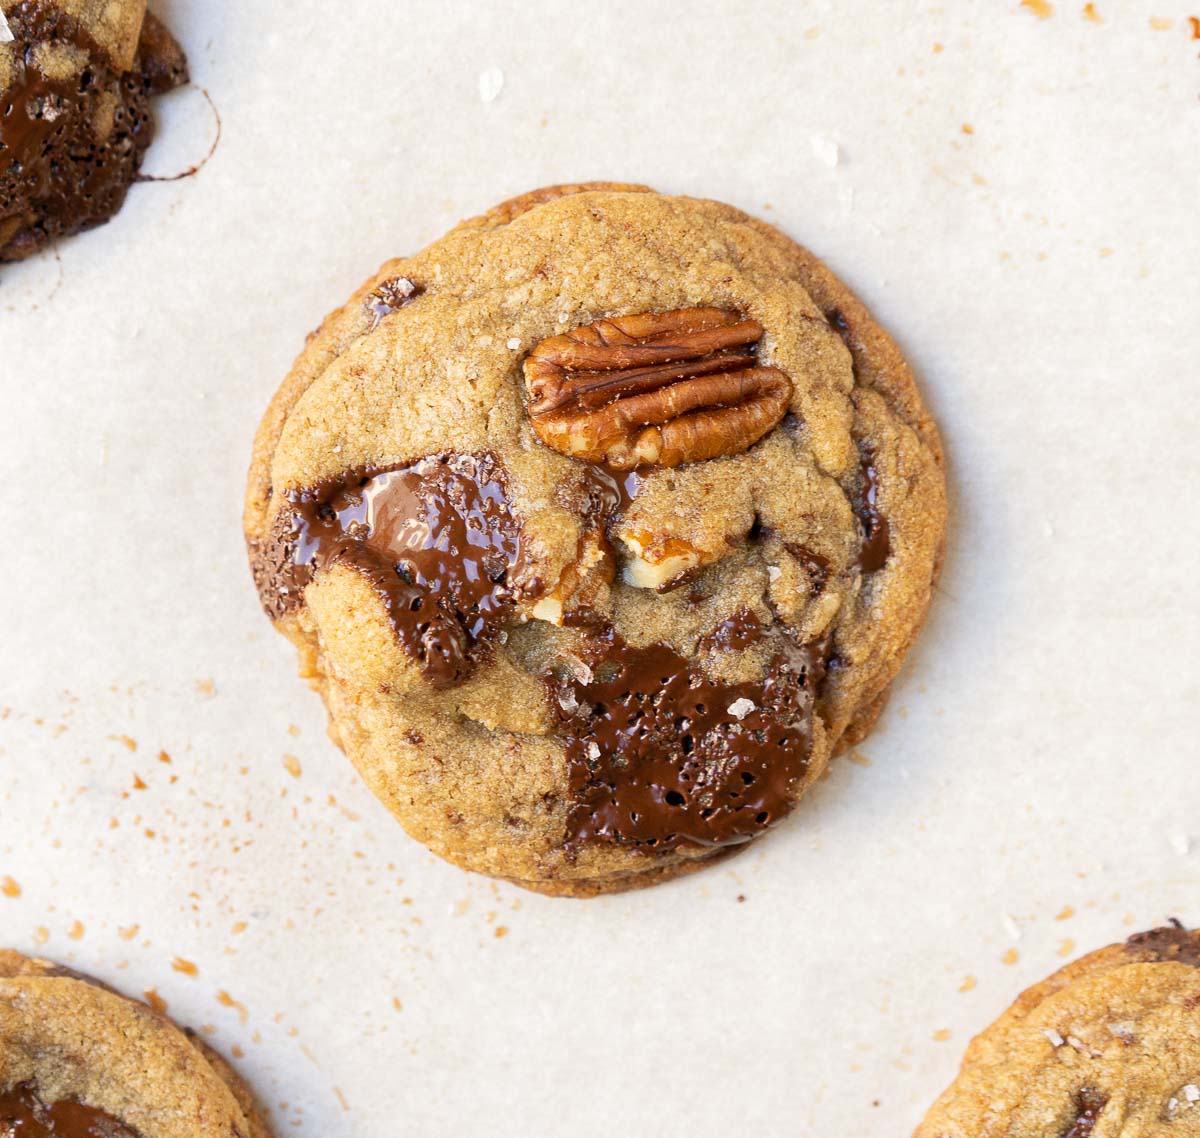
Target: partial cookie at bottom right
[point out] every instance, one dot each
(1107, 1047)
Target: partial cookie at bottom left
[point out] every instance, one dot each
(79, 1060)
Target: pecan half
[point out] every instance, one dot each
(654, 389)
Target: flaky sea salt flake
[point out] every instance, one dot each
(514, 344)
(491, 83)
(6, 35)
(825, 150)
(1052, 1035)
(1191, 1092)
(593, 751)
(1011, 927)
(740, 708)
(774, 572)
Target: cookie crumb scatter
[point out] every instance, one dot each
(1010, 957)
(184, 966)
(155, 1001)
(1090, 13)
(9, 887)
(1066, 913)
(41, 935)
(341, 1097)
(967, 128)
(500, 931)
(941, 1035)
(76, 931)
(858, 758)
(397, 1003)
(227, 1001)
(128, 932)
(125, 741)
(741, 898)
(1052, 1035)
(1066, 947)
(138, 784)
(1194, 22)
(491, 83)
(968, 983)
(1040, 8)
(291, 764)
(206, 688)
(164, 758)
(1161, 24)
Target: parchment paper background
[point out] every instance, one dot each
(1015, 195)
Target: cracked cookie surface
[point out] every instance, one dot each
(78, 1060)
(1108, 1046)
(600, 525)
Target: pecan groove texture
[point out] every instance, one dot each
(655, 389)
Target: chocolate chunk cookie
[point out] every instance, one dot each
(77, 1060)
(1108, 1046)
(76, 77)
(600, 525)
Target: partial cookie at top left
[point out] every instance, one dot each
(78, 1060)
(76, 79)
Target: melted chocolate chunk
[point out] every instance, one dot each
(435, 539)
(56, 176)
(1169, 944)
(735, 633)
(877, 545)
(1089, 1106)
(659, 755)
(24, 1115)
(608, 494)
(389, 297)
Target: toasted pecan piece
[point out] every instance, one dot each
(655, 389)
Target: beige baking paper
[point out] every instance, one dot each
(1011, 187)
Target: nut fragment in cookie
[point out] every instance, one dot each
(75, 118)
(1107, 1045)
(79, 1060)
(654, 388)
(601, 526)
